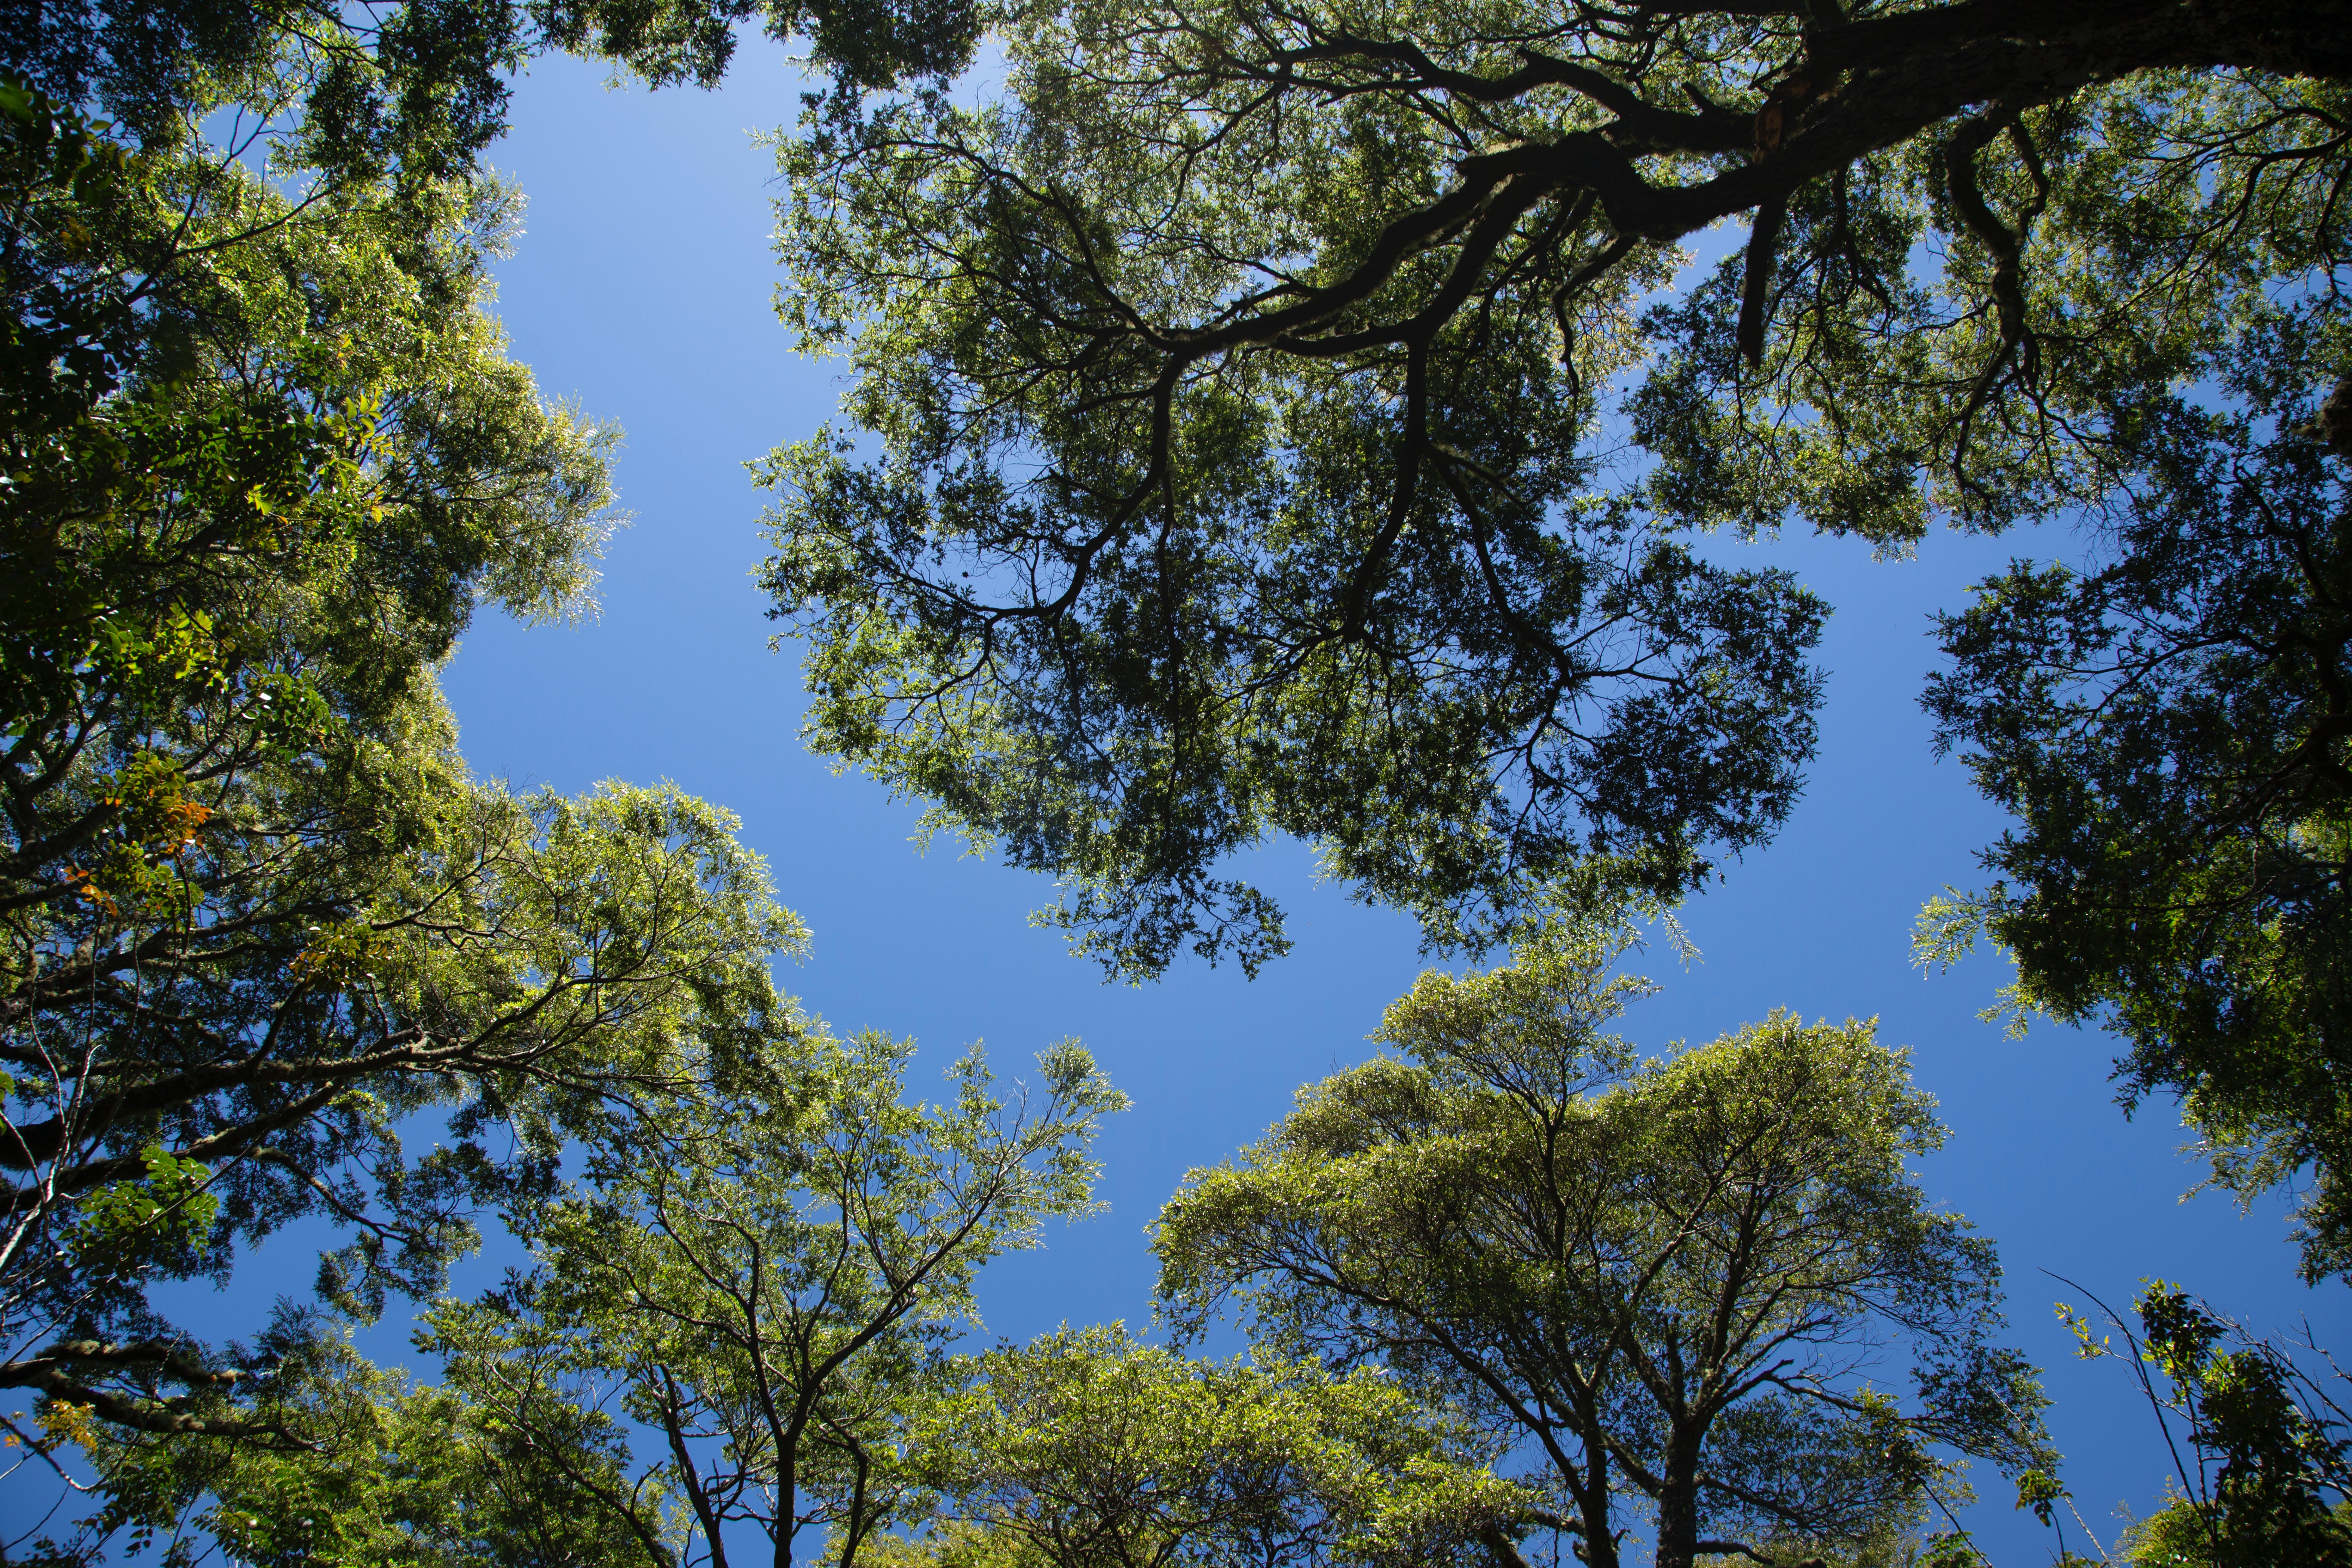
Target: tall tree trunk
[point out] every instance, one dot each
(787, 1499)
(1678, 1500)
(1598, 1546)
(689, 1475)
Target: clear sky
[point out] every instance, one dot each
(643, 290)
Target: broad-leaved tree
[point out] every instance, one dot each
(1704, 1286)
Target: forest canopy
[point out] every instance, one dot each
(1311, 421)
(1292, 419)
(265, 451)
(1329, 421)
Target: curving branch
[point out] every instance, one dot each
(61, 1372)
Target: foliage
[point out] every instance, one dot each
(384, 1472)
(2172, 727)
(950, 1543)
(1239, 436)
(263, 453)
(415, 89)
(865, 44)
(1085, 1450)
(518, 966)
(1273, 420)
(1674, 1282)
(762, 1276)
(734, 1314)
(2268, 1471)
(411, 92)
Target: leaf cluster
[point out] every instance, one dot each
(2260, 1458)
(1085, 1449)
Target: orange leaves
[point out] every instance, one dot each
(153, 822)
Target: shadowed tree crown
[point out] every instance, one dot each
(1295, 419)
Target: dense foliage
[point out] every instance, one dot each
(1293, 418)
(1264, 420)
(732, 1319)
(2172, 726)
(1085, 1448)
(263, 453)
(2262, 1448)
(1686, 1285)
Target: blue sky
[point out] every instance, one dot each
(641, 289)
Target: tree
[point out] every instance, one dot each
(1084, 1449)
(1242, 402)
(734, 1315)
(2266, 1434)
(1291, 419)
(571, 953)
(264, 451)
(417, 89)
(762, 1276)
(1679, 1283)
(383, 1472)
(2171, 724)
(404, 92)
(864, 44)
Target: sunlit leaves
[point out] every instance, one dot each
(1679, 1279)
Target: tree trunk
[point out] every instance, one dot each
(787, 1501)
(1678, 1502)
(1598, 1546)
